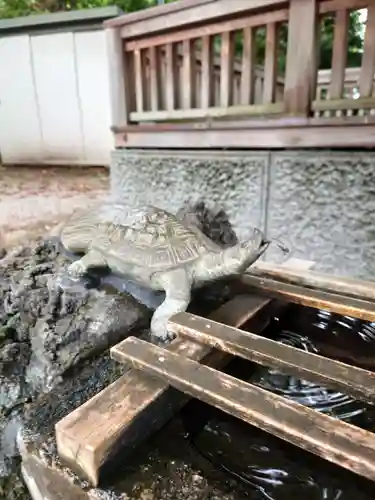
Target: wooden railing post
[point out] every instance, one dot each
(301, 61)
(120, 78)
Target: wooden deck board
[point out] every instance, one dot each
(336, 441)
(351, 380)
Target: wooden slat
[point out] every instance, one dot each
(140, 80)
(248, 66)
(366, 79)
(350, 287)
(189, 74)
(347, 306)
(301, 70)
(255, 123)
(207, 81)
(140, 16)
(339, 54)
(209, 29)
(155, 78)
(342, 104)
(334, 5)
(270, 65)
(358, 383)
(341, 443)
(89, 437)
(226, 69)
(351, 76)
(214, 112)
(171, 76)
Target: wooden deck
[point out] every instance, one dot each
(189, 75)
(162, 379)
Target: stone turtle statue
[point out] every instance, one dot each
(156, 249)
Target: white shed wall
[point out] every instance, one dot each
(54, 99)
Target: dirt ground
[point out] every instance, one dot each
(34, 199)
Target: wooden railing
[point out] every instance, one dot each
(350, 91)
(202, 61)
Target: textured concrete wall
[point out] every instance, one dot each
(321, 204)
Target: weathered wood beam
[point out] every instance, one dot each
(356, 382)
(201, 135)
(226, 110)
(342, 285)
(334, 302)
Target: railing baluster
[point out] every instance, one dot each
(248, 66)
(140, 79)
(188, 74)
(155, 78)
(226, 73)
(270, 65)
(171, 76)
(207, 79)
(339, 54)
(366, 80)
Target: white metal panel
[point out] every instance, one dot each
(57, 93)
(20, 135)
(93, 85)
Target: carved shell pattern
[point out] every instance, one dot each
(150, 237)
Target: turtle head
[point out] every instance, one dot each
(240, 257)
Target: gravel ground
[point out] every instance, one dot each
(33, 199)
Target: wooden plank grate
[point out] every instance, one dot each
(125, 413)
(339, 442)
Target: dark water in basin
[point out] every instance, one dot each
(271, 468)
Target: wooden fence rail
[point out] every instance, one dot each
(218, 61)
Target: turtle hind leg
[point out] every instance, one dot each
(177, 286)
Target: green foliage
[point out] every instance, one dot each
(355, 41)
(15, 8)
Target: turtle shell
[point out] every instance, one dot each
(154, 238)
(147, 237)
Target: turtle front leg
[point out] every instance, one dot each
(177, 286)
(70, 282)
(92, 259)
